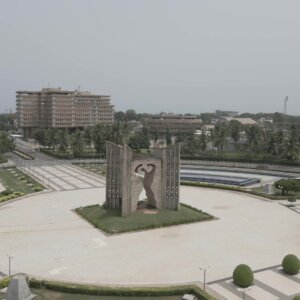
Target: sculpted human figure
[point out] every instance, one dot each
(148, 180)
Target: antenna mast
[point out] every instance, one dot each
(285, 104)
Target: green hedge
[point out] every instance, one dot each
(67, 155)
(230, 188)
(73, 288)
(4, 198)
(243, 160)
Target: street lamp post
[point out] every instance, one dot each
(10, 257)
(204, 269)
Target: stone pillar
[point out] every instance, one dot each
(113, 176)
(126, 180)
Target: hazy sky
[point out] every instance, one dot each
(155, 55)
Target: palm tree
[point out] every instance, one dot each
(61, 138)
(235, 128)
(271, 145)
(221, 132)
(203, 143)
(291, 147)
(77, 143)
(254, 136)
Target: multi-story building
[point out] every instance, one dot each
(173, 123)
(56, 108)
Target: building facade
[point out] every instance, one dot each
(173, 124)
(57, 108)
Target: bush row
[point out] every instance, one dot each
(23, 155)
(4, 198)
(243, 160)
(68, 156)
(73, 288)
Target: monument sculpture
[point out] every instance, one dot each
(128, 173)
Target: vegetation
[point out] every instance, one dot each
(286, 185)
(23, 155)
(4, 282)
(243, 276)
(112, 222)
(89, 142)
(42, 294)
(292, 200)
(7, 122)
(119, 291)
(274, 143)
(6, 145)
(296, 297)
(17, 184)
(291, 264)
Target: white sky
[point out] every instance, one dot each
(155, 55)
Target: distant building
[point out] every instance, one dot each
(173, 123)
(227, 113)
(57, 108)
(264, 120)
(243, 121)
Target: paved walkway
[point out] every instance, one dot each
(64, 177)
(269, 284)
(49, 240)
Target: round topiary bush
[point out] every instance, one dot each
(243, 276)
(296, 297)
(291, 264)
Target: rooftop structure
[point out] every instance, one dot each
(57, 108)
(243, 121)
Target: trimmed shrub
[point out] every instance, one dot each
(74, 288)
(7, 192)
(4, 282)
(291, 264)
(296, 297)
(243, 276)
(37, 189)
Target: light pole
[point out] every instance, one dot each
(204, 275)
(10, 257)
(244, 290)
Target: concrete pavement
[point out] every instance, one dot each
(48, 239)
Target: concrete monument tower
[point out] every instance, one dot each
(128, 173)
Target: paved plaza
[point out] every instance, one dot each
(65, 177)
(48, 239)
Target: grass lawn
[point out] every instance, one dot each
(43, 294)
(15, 180)
(110, 221)
(93, 167)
